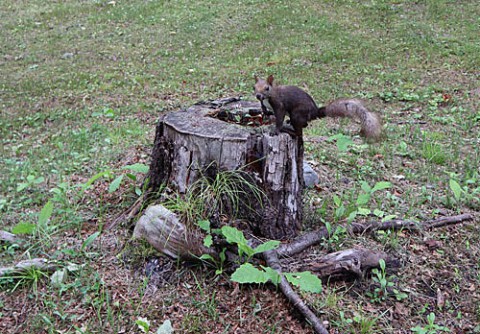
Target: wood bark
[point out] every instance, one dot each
(25, 265)
(188, 142)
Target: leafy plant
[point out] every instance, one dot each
(30, 181)
(235, 236)
(247, 273)
(431, 327)
(365, 197)
(385, 283)
(117, 181)
(336, 236)
(28, 278)
(343, 142)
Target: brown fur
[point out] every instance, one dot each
(301, 108)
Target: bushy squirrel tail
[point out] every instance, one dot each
(354, 109)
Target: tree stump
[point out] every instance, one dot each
(189, 142)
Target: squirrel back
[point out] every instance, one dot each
(301, 108)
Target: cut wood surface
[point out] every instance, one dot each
(187, 142)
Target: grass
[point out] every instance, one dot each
(81, 87)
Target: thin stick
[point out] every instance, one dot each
(271, 257)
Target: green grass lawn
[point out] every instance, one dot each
(82, 84)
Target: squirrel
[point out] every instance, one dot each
(301, 108)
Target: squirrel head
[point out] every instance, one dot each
(263, 88)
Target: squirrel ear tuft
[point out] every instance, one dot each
(270, 80)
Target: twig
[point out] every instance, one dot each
(271, 257)
(127, 214)
(315, 237)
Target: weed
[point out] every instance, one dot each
(431, 327)
(385, 283)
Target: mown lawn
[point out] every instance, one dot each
(82, 84)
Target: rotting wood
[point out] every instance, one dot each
(346, 262)
(7, 236)
(188, 142)
(25, 265)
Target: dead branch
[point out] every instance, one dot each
(271, 257)
(7, 236)
(444, 221)
(346, 262)
(315, 237)
(23, 266)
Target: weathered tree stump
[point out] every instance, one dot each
(188, 142)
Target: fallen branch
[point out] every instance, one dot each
(23, 266)
(271, 257)
(315, 237)
(7, 236)
(444, 221)
(348, 262)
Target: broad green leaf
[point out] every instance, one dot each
(208, 241)
(45, 214)
(363, 199)
(378, 213)
(272, 275)
(266, 246)
(39, 180)
(388, 217)
(352, 216)
(139, 168)
(364, 211)
(143, 324)
(131, 176)
(456, 189)
(306, 281)
(337, 200)
(115, 184)
(22, 186)
(247, 273)
(204, 225)
(89, 240)
(24, 228)
(381, 185)
(233, 235)
(245, 249)
(165, 328)
(365, 187)
(343, 142)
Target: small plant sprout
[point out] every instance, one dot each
(431, 327)
(385, 284)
